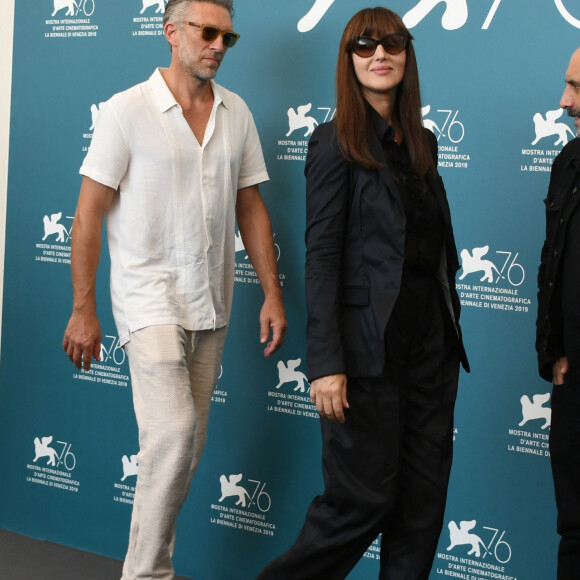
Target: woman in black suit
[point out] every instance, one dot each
(384, 343)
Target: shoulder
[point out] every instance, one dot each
(131, 95)
(324, 153)
(231, 100)
(569, 152)
(570, 155)
(123, 106)
(325, 137)
(325, 131)
(120, 110)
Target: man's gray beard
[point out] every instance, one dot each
(194, 71)
(575, 113)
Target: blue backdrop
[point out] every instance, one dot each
(492, 73)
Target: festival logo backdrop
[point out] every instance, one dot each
(68, 440)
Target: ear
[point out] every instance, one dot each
(171, 34)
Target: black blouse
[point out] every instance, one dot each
(416, 328)
(424, 223)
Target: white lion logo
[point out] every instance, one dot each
(461, 535)
(533, 409)
(70, 5)
(230, 488)
(429, 123)
(298, 120)
(548, 127)
(130, 466)
(289, 374)
(148, 3)
(474, 263)
(51, 227)
(42, 449)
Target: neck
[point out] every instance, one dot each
(187, 90)
(382, 103)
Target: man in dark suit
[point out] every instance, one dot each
(558, 329)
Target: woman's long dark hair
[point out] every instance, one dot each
(351, 107)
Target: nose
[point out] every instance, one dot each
(218, 44)
(566, 100)
(380, 52)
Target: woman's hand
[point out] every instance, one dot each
(559, 369)
(329, 395)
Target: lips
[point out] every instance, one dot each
(213, 56)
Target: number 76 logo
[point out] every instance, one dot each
(474, 262)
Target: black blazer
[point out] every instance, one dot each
(355, 241)
(561, 203)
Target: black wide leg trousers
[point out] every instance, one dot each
(565, 458)
(386, 471)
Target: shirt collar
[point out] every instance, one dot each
(164, 97)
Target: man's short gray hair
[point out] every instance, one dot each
(176, 9)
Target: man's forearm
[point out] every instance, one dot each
(256, 232)
(85, 255)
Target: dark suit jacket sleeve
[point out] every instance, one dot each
(327, 209)
(549, 329)
(546, 357)
(452, 260)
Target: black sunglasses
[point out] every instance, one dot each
(365, 46)
(210, 33)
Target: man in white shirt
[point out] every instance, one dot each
(173, 162)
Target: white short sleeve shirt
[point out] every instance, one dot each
(171, 228)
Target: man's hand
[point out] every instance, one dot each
(329, 396)
(256, 232)
(273, 316)
(82, 340)
(82, 337)
(559, 369)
